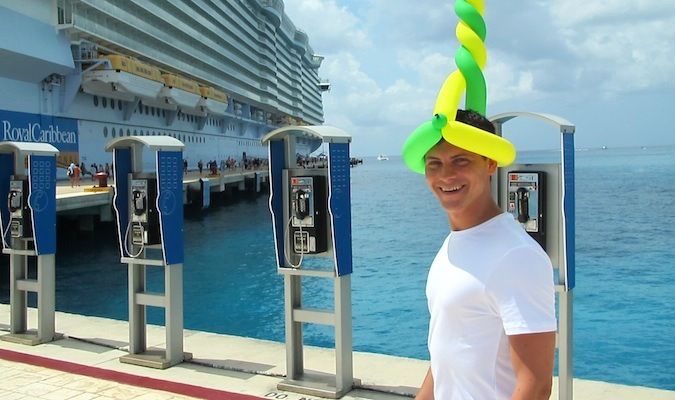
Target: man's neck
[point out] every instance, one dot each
(474, 216)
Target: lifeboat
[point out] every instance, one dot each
(183, 93)
(285, 120)
(213, 101)
(125, 78)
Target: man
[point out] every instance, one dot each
(490, 289)
(70, 171)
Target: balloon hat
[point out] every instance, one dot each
(470, 59)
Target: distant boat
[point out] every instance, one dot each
(604, 147)
(382, 157)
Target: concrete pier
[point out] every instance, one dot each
(85, 363)
(79, 201)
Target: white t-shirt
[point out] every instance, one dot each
(486, 282)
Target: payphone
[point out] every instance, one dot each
(540, 196)
(527, 201)
(144, 222)
(308, 220)
(311, 219)
(20, 225)
(28, 231)
(149, 212)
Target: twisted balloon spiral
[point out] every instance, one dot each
(470, 58)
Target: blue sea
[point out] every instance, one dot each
(624, 313)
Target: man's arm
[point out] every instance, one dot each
(532, 358)
(426, 392)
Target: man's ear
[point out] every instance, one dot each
(492, 166)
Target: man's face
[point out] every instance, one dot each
(459, 178)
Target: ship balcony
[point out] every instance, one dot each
(187, 102)
(124, 86)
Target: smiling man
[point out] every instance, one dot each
(490, 288)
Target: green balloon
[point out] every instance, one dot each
(476, 88)
(439, 122)
(423, 139)
(470, 15)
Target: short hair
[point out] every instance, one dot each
(473, 118)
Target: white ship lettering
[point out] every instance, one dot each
(34, 133)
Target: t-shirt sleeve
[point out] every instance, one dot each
(523, 290)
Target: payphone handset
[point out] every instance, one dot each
(20, 225)
(139, 203)
(527, 201)
(307, 224)
(144, 221)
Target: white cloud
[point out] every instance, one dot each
(331, 27)
(387, 59)
(366, 102)
(507, 80)
(620, 46)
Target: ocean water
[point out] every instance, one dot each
(623, 309)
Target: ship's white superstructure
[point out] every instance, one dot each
(216, 74)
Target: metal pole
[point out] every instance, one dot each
(344, 375)
(18, 322)
(173, 312)
(565, 347)
(46, 277)
(294, 353)
(137, 334)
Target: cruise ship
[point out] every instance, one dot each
(215, 74)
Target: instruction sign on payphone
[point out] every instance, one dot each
(526, 202)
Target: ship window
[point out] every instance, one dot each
(119, 104)
(104, 102)
(105, 131)
(113, 132)
(147, 111)
(152, 111)
(163, 114)
(135, 132)
(95, 101)
(112, 103)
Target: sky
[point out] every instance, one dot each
(607, 66)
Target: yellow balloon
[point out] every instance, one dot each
(469, 39)
(480, 142)
(450, 95)
(478, 4)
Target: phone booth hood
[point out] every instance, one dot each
(563, 125)
(155, 143)
(25, 148)
(317, 134)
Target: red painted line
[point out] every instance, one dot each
(124, 378)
